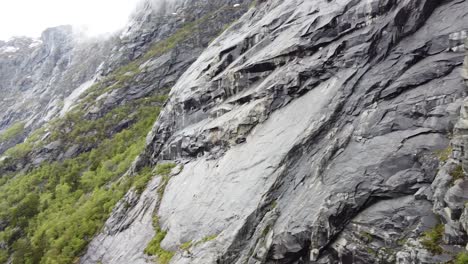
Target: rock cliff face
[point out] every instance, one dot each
(307, 132)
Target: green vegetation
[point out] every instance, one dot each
(273, 205)
(367, 237)
(12, 131)
(3, 256)
(266, 230)
(457, 173)
(189, 244)
(54, 210)
(164, 170)
(433, 238)
(186, 245)
(154, 247)
(253, 4)
(49, 213)
(91, 132)
(142, 180)
(444, 154)
(372, 252)
(20, 151)
(402, 241)
(461, 258)
(74, 129)
(207, 239)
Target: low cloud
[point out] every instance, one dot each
(31, 17)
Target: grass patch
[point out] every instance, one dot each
(461, 258)
(433, 239)
(165, 169)
(444, 154)
(186, 245)
(154, 247)
(206, 239)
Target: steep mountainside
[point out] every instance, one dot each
(309, 131)
(59, 185)
(37, 76)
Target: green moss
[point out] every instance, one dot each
(154, 247)
(457, 173)
(461, 258)
(372, 252)
(444, 154)
(273, 205)
(266, 230)
(367, 237)
(13, 131)
(206, 239)
(209, 238)
(433, 239)
(186, 245)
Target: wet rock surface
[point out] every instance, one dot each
(308, 131)
(324, 120)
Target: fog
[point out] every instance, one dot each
(95, 17)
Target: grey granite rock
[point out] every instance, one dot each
(310, 132)
(324, 109)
